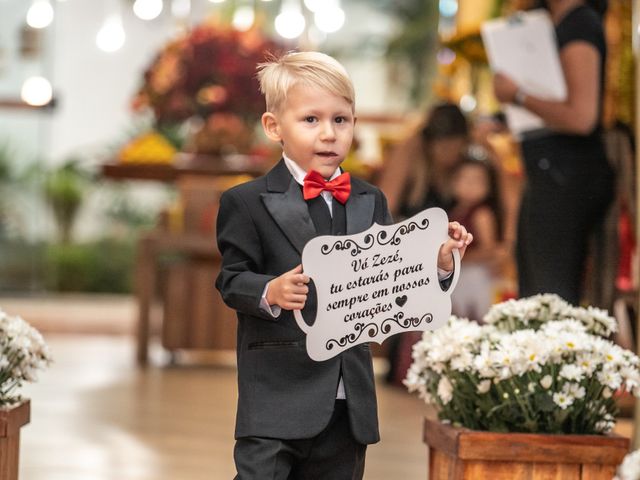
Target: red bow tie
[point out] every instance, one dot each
(314, 183)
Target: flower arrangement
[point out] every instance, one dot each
(22, 353)
(207, 70)
(537, 365)
(629, 469)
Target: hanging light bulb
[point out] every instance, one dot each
(329, 18)
(448, 8)
(36, 91)
(243, 18)
(314, 5)
(290, 22)
(147, 9)
(216, 1)
(111, 35)
(40, 14)
(468, 103)
(446, 56)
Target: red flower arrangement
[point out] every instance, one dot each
(209, 70)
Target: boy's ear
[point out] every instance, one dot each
(271, 127)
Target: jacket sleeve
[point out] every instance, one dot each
(240, 282)
(387, 219)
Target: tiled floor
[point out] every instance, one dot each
(95, 416)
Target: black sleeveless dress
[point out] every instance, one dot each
(569, 186)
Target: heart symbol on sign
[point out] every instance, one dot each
(400, 301)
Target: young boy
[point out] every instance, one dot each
(297, 418)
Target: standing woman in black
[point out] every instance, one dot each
(569, 181)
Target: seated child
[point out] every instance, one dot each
(477, 204)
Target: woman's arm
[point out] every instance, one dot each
(396, 172)
(578, 114)
(484, 229)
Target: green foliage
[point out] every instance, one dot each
(519, 404)
(102, 266)
(174, 133)
(19, 264)
(125, 215)
(64, 189)
(7, 155)
(417, 40)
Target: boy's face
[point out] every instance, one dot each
(314, 126)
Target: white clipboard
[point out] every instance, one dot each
(524, 48)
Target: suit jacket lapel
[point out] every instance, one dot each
(360, 209)
(284, 202)
(287, 207)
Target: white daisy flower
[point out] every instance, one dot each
(563, 400)
(546, 382)
(445, 390)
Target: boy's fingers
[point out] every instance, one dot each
(301, 278)
(447, 247)
(302, 289)
(294, 305)
(296, 292)
(297, 298)
(297, 269)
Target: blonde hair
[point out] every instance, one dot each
(316, 69)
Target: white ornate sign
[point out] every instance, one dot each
(377, 283)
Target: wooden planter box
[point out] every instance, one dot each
(12, 420)
(458, 453)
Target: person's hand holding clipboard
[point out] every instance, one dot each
(523, 54)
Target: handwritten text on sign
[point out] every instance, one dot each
(377, 283)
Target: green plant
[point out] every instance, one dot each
(416, 41)
(7, 156)
(65, 188)
(104, 266)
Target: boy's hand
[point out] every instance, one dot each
(458, 238)
(289, 290)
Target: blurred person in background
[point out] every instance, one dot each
(569, 183)
(417, 176)
(476, 204)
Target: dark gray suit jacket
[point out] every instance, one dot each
(263, 226)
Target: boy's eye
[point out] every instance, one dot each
(340, 119)
(310, 119)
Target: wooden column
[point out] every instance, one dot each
(145, 279)
(636, 55)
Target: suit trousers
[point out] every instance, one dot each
(331, 455)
